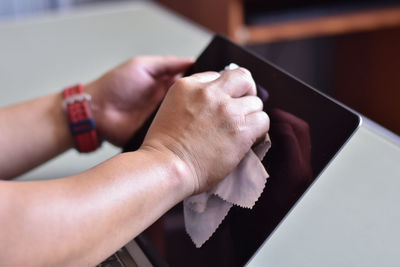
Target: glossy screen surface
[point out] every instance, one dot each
(307, 130)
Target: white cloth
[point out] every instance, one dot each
(203, 213)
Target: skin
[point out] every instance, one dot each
(82, 219)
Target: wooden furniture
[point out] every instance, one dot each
(366, 75)
(227, 17)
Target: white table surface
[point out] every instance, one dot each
(349, 217)
(44, 54)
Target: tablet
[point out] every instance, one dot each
(307, 130)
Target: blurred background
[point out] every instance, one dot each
(21, 8)
(346, 49)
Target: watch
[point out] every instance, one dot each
(76, 104)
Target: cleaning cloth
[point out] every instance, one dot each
(203, 213)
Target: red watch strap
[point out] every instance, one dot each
(80, 119)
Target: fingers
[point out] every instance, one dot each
(167, 65)
(257, 125)
(246, 104)
(301, 128)
(237, 83)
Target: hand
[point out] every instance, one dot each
(123, 98)
(208, 124)
(291, 168)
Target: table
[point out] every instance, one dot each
(349, 217)
(41, 55)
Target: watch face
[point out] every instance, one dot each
(307, 129)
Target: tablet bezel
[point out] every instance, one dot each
(219, 53)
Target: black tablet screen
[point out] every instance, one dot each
(307, 130)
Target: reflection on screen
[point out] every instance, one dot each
(241, 233)
(306, 131)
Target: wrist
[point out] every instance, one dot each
(77, 106)
(100, 110)
(178, 171)
(95, 106)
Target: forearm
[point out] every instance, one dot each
(31, 133)
(80, 220)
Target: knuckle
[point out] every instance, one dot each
(258, 102)
(205, 94)
(244, 138)
(263, 119)
(240, 122)
(244, 72)
(224, 108)
(231, 123)
(182, 83)
(246, 80)
(237, 124)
